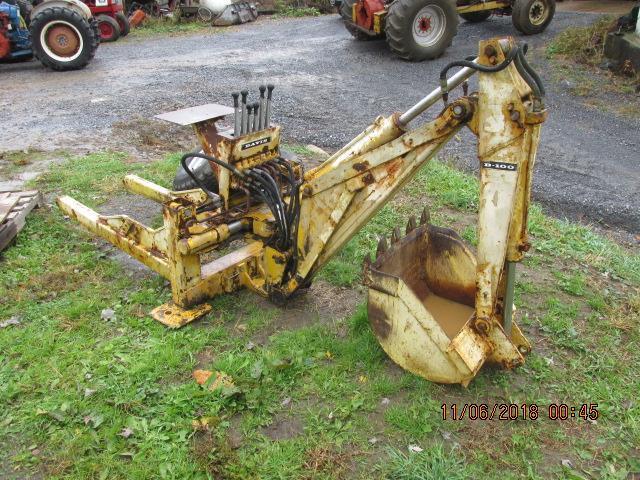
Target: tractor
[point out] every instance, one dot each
(112, 22)
(62, 34)
(418, 30)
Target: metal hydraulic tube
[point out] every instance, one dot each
(457, 79)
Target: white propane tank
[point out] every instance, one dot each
(216, 6)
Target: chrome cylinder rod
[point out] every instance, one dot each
(508, 298)
(452, 82)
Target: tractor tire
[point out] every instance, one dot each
(530, 17)
(476, 17)
(95, 28)
(123, 23)
(109, 28)
(346, 8)
(420, 30)
(25, 10)
(63, 39)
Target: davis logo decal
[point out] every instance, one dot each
(255, 143)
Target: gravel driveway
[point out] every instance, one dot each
(329, 87)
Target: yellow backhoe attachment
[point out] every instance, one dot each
(437, 309)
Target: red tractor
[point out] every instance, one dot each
(418, 30)
(112, 22)
(62, 34)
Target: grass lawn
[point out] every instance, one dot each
(314, 395)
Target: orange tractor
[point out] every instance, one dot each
(418, 30)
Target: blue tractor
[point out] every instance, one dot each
(62, 34)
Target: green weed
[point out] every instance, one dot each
(559, 323)
(434, 463)
(289, 11)
(582, 44)
(173, 26)
(574, 284)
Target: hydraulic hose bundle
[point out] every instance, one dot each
(260, 182)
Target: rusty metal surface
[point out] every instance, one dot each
(421, 293)
(173, 316)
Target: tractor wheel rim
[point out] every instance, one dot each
(61, 41)
(106, 30)
(429, 25)
(204, 14)
(538, 12)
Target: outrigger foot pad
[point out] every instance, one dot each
(174, 316)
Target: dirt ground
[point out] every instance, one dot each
(329, 87)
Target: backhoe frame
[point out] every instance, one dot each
(338, 197)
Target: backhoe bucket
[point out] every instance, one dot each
(422, 291)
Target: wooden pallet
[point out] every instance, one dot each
(14, 208)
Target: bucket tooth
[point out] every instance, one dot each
(411, 224)
(396, 235)
(425, 217)
(382, 246)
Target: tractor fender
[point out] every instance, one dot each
(76, 5)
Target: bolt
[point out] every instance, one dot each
(482, 325)
(524, 247)
(458, 111)
(490, 50)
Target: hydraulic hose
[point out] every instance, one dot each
(526, 66)
(183, 162)
(516, 55)
(477, 66)
(263, 185)
(526, 76)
